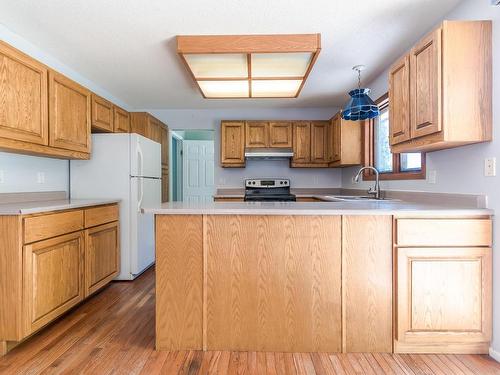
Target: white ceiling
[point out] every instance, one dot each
(128, 46)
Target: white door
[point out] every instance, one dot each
(142, 249)
(198, 171)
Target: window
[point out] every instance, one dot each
(378, 151)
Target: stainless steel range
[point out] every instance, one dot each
(268, 190)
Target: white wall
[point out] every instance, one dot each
(461, 170)
(19, 171)
(233, 177)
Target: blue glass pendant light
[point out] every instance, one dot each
(360, 106)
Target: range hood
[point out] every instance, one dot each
(268, 153)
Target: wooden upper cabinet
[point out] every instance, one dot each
(344, 142)
(164, 145)
(319, 141)
(448, 75)
(138, 123)
(102, 256)
(53, 278)
(399, 109)
(121, 120)
(301, 142)
(280, 134)
(336, 134)
(146, 125)
(102, 114)
(425, 85)
(153, 130)
(69, 114)
(256, 134)
(232, 144)
(23, 97)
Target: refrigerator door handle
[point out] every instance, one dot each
(140, 191)
(140, 158)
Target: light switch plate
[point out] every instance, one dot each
(490, 167)
(40, 177)
(432, 176)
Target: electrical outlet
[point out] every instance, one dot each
(40, 177)
(432, 176)
(2, 178)
(490, 167)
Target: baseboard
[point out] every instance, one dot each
(494, 354)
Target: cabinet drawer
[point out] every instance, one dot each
(443, 232)
(38, 228)
(100, 215)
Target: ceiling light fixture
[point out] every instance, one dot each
(360, 106)
(249, 66)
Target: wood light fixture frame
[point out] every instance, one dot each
(249, 44)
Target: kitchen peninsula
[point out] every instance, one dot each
(378, 276)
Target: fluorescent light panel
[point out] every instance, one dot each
(277, 65)
(282, 88)
(218, 65)
(224, 89)
(249, 66)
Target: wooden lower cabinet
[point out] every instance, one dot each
(444, 300)
(102, 256)
(51, 262)
(53, 278)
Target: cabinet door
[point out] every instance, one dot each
(102, 114)
(153, 131)
(102, 255)
(53, 278)
(232, 144)
(121, 119)
(69, 114)
(164, 145)
(23, 97)
(367, 283)
(302, 142)
(319, 141)
(256, 134)
(336, 137)
(444, 295)
(399, 105)
(425, 86)
(280, 134)
(164, 184)
(139, 123)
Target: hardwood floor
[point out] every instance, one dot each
(113, 333)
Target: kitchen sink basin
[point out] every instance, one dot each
(353, 198)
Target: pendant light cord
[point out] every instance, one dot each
(359, 79)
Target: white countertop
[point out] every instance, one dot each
(25, 208)
(312, 208)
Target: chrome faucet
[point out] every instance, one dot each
(375, 191)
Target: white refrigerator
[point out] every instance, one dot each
(126, 167)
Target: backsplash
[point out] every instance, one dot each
(21, 173)
(299, 177)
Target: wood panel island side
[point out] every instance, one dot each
(323, 283)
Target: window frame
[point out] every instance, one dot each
(368, 142)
